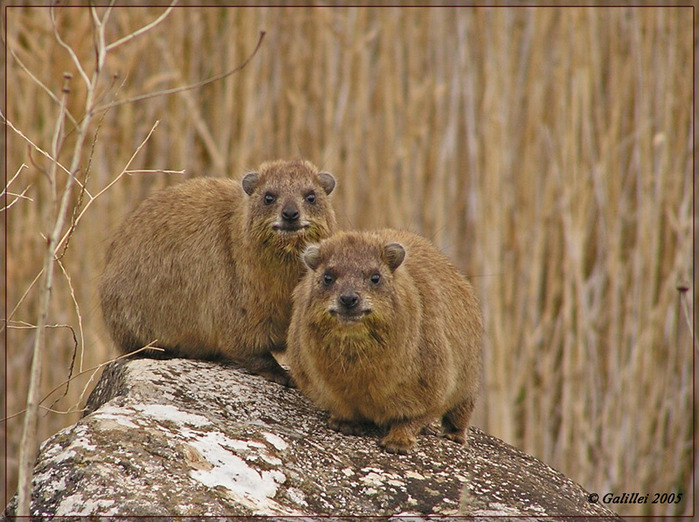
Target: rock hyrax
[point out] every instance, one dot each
(385, 329)
(208, 267)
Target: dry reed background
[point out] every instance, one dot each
(547, 151)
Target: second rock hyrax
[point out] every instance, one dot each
(206, 268)
(385, 329)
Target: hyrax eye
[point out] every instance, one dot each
(328, 279)
(375, 278)
(270, 198)
(311, 197)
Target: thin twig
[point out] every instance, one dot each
(83, 188)
(142, 30)
(186, 87)
(24, 295)
(40, 84)
(57, 140)
(68, 48)
(29, 444)
(33, 145)
(80, 320)
(87, 205)
(154, 171)
(149, 346)
(100, 44)
(24, 325)
(19, 170)
(115, 180)
(49, 409)
(19, 324)
(95, 369)
(17, 197)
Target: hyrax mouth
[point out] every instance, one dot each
(289, 228)
(349, 316)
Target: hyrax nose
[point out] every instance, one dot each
(349, 299)
(290, 213)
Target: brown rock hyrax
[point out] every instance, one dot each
(385, 329)
(207, 267)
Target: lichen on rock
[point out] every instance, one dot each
(184, 438)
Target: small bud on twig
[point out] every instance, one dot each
(66, 80)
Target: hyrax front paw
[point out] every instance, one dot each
(456, 436)
(398, 441)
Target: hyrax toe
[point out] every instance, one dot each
(402, 435)
(398, 445)
(400, 439)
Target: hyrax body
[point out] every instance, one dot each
(385, 329)
(207, 267)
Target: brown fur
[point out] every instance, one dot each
(399, 353)
(205, 268)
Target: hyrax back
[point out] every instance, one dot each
(385, 329)
(207, 267)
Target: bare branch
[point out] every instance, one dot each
(142, 30)
(68, 48)
(21, 167)
(153, 171)
(175, 90)
(94, 369)
(57, 139)
(19, 324)
(101, 40)
(34, 145)
(80, 319)
(16, 196)
(95, 18)
(29, 444)
(24, 295)
(49, 409)
(149, 346)
(40, 84)
(83, 188)
(115, 180)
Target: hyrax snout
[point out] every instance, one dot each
(385, 329)
(206, 268)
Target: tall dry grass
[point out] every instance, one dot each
(547, 151)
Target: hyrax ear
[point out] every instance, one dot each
(395, 254)
(327, 181)
(311, 256)
(250, 182)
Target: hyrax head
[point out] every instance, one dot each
(352, 277)
(288, 203)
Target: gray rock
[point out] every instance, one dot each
(178, 438)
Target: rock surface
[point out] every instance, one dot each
(178, 437)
